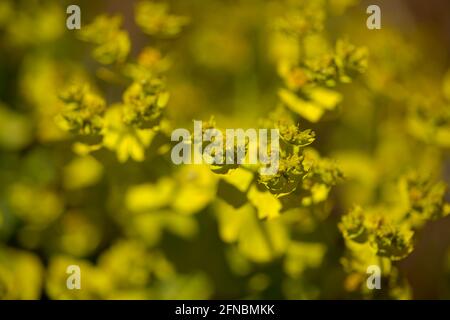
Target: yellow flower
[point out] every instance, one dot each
(124, 139)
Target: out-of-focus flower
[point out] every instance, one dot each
(127, 141)
(33, 24)
(21, 275)
(35, 205)
(112, 43)
(95, 282)
(154, 19)
(15, 129)
(82, 172)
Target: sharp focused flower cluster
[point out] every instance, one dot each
(87, 177)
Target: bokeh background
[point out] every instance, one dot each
(111, 201)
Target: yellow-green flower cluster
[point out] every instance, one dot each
(363, 152)
(83, 110)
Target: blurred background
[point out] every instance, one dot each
(139, 227)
